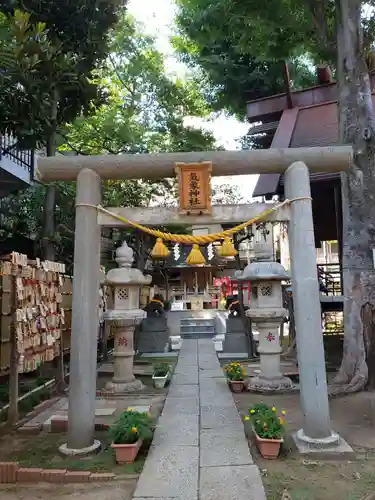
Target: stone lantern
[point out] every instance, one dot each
(267, 311)
(125, 283)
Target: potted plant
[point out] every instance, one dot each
(160, 375)
(269, 429)
(235, 374)
(128, 433)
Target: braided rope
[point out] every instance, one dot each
(188, 238)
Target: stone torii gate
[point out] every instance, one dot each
(296, 163)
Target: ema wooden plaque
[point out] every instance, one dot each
(194, 182)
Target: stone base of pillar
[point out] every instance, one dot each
(82, 452)
(125, 387)
(266, 385)
(332, 445)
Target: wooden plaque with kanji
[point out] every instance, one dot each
(194, 181)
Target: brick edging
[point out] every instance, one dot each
(11, 472)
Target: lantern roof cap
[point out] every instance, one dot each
(263, 268)
(125, 274)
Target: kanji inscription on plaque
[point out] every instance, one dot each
(194, 188)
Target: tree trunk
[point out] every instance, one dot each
(49, 223)
(291, 352)
(50, 199)
(368, 320)
(356, 120)
(49, 233)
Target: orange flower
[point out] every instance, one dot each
(134, 430)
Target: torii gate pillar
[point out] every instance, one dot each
(316, 433)
(85, 318)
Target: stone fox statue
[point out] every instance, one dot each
(155, 307)
(233, 306)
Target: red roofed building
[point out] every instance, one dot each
(302, 119)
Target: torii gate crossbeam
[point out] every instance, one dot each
(158, 166)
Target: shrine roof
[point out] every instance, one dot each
(298, 128)
(312, 122)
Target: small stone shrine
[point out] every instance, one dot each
(266, 310)
(125, 283)
(154, 333)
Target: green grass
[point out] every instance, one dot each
(42, 451)
(323, 481)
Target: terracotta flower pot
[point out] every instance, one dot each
(126, 453)
(236, 385)
(268, 448)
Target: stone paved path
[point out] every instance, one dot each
(199, 451)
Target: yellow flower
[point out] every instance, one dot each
(283, 412)
(252, 411)
(273, 409)
(246, 418)
(281, 420)
(130, 409)
(134, 430)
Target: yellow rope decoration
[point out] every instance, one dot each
(189, 238)
(195, 256)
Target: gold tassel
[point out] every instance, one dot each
(195, 257)
(227, 249)
(160, 251)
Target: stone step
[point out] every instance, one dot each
(197, 335)
(190, 318)
(197, 322)
(192, 328)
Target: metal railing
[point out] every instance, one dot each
(330, 274)
(21, 157)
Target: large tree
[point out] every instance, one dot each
(144, 112)
(56, 47)
(339, 32)
(230, 72)
(145, 109)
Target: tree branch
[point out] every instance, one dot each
(73, 148)
(319, 11)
